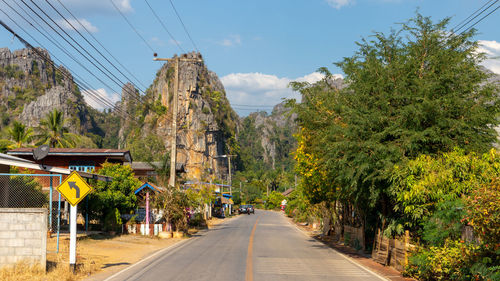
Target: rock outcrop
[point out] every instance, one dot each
(205, 121)
(30, 87)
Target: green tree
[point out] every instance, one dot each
(20, 134)
(53, 132)
(117, 194)
(416, 90)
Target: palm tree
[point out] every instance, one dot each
(20, 134)
(53, 132)
(162, 169)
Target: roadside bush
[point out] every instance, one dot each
(483, 212)
(273, 201)
(442, 263)
(422, 184)
(445, 223)
(456, 260)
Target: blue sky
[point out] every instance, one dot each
(256, 47)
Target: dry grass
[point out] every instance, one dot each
(95, 254)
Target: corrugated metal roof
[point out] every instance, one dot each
(71, 150)
(10, 157)
(120, 153)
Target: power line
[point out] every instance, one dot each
(57, 11)
(184, 26)
(94, 96)
(54, 41)
(98, 42)
(164, 27)
(459, 24)
(119, 84)
(481, 19)
(133, 28)
(474, 17)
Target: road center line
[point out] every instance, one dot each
(249, 270)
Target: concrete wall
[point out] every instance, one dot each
(23, 235)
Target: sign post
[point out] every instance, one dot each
(74, 189)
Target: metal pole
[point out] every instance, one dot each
(58, 216)
(50, 204)
(72, 238)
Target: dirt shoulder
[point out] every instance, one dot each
(364, 260)
(98, 256)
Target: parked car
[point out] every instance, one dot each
(246, 209)
(243, 209)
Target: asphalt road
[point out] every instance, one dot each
(264, 246)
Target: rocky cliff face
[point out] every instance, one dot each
(275, 134)
(31, 87)
(206, 124)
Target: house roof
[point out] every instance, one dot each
(9, 160)
(150, 186)
(142, 165)
(119, 154)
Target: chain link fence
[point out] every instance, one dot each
(35, 191)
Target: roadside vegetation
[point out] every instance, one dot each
(406, 145)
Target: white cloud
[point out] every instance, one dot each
(232, 40)
(264, 90)
(337, 4)
(492, 51)
(90, 98)
(78, 26)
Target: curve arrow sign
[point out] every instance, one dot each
(72, 185)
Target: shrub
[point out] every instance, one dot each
(445, 223)
(442, 263)
(483, 212)
(274, 199)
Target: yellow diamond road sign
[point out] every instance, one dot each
(74, 188)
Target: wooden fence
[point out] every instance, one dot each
(392, 252)
(354, 237)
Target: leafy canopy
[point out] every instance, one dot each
(415, 91)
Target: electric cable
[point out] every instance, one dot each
(119, 84)
(133, 28)
(164, 27)
(184, 26)
(69, 23)
(477, 15)
(460, 23)
(100, 44)
(481, 19)
(94, 95)
(51, 39)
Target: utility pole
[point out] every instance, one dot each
(173, 148)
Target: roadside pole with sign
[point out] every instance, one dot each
(73, 189)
